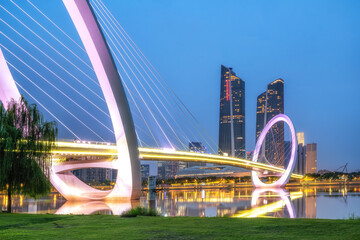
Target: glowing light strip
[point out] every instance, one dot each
(160, 154)
(106, 146)
(82, 153)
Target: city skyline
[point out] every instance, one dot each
(313, 46)
(97, 118)
(314, 66)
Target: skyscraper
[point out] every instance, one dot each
(260, 113)
(311, 158)
(232, 114)
(269, 104)
(301, 154)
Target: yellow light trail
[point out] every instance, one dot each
(268, 208)
(152, 154)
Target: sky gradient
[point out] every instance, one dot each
(312, 45)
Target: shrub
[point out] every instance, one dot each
(140, 211)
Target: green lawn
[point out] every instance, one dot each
(26, 226)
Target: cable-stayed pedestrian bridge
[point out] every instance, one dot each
(100, 83)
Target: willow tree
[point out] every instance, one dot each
(26, 141)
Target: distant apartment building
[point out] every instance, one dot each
(232, 114)
(167, 169)
(269, 104)
(94, 175)
(311, 158)
(161, 170)
(144, 171)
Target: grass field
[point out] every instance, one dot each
(26, 226)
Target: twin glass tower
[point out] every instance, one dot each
(232, 114)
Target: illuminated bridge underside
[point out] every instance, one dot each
(108, 153)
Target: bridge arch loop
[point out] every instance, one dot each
(283, 180)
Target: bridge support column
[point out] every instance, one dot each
(128, 164)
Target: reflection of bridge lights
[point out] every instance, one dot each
(258, 211)
(116, 208)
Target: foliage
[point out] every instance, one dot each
(48, 226)
(140, 211)
(334, 176)
(26, 141)
(205, 180)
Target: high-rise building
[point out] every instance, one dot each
(144, 171)
(299, 167)
(232, 114)
(167, 169)
(199, 148)
(161, 169)
(260, 113)
(311, 158)
(269, 104)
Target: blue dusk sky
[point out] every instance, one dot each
(312, 45)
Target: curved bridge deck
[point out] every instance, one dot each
(108, 152)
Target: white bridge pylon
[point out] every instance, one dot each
(126, 161)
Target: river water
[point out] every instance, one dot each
(339, 202)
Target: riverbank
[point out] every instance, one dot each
(48, 226)
(249, 185)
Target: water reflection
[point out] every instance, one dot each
(325, 202)
(92, 207)
(270, 202)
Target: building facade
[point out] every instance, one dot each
(260, 113)
(299, 167)
(269, 104)
(144, 171)
(94, 175)
(167, 169)
(232, 114)
(311, 158)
